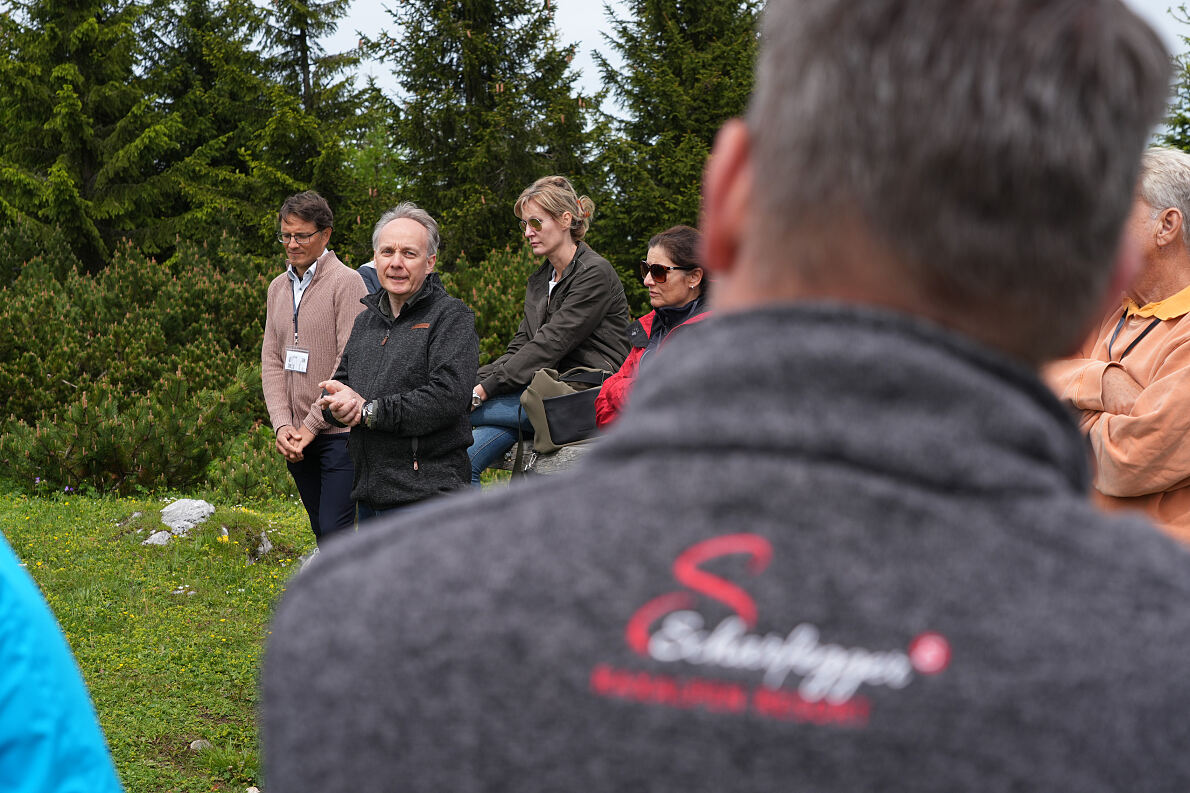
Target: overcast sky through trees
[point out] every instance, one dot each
(582, 22)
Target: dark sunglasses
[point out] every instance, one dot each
(533, 223)
(660, 271)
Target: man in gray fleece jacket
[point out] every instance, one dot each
(403, 383)
(841, 539)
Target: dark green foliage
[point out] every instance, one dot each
(129, 326)
(82, 141)
(495, 290)
(254, 129)
(687, 68)
(208, 75)
(373, 166)
(1177, 124)
(323, 116)
(490, 107)
(136, 377)
(147, 123)
(26, 241)
(250, 469)
(106, 442)
(292, 30)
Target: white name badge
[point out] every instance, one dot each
(296, 360)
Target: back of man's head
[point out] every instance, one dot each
(988, 147)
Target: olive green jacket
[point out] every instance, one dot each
(583, 322)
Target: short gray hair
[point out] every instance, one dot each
(1165, 182)
(410, 210)
(990, 146)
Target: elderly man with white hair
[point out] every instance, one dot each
(1130, 381)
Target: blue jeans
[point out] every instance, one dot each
(493, 430)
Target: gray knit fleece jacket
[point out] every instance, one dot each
(419, 367)
(824, 549)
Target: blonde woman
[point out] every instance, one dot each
(575, 315)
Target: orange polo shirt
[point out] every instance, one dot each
(1142, 458)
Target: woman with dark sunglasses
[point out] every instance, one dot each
(575, 315)
(677, 285)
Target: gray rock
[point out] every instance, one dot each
(184, 514)
(199, 745)
(265, 546)
(128, 519)
(158, 538)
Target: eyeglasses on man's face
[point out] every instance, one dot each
(660, 271)
(300, 239)
(533, 223)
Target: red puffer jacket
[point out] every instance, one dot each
(613, 396)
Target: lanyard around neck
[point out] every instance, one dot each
(1135, 341)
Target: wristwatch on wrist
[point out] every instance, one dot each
(367, 413)
(476, 400)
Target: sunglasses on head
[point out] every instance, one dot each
(533, 223)
(660, 271)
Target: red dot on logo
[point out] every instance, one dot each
(929, 653)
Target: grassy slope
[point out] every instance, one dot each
(165, 667)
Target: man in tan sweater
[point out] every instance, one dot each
(311, 309)
(1131, 378)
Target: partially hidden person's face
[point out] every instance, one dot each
(1142, 228)
(680, 286)
(402, 258)
(553, 233)
(302, 254)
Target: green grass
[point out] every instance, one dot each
(169, 638)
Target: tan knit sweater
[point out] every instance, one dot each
(1142, 459)
(324, 321)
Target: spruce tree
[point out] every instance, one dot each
(374, 170)
(292, 30)
(489, 105)
(337, 120)
(208, 73)
(1176, 132)
(250, 135)
(687, 68)
(81, 140)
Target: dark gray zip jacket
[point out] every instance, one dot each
(420, 367)
(583, 322)
(823, 550)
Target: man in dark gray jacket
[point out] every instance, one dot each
(404, 381)
(841, 539)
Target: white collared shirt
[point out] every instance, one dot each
(300, 284)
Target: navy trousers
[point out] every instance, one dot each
(324, 478)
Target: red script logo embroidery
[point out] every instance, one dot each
(670, 629)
